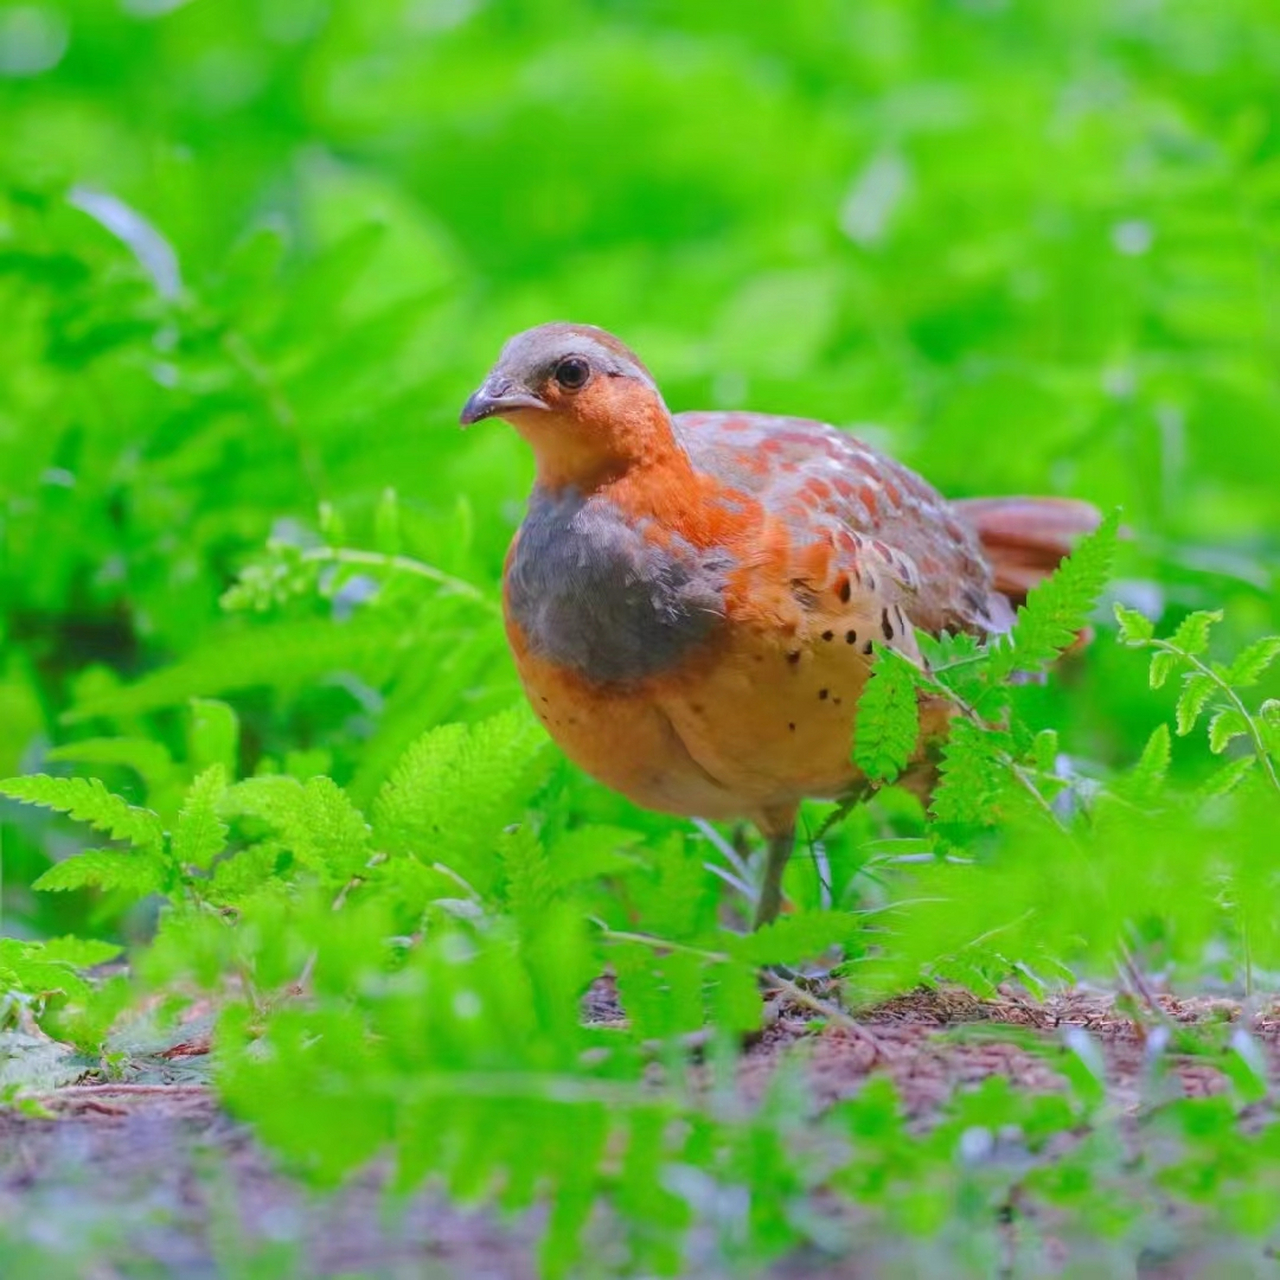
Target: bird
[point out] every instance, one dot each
(693, 601)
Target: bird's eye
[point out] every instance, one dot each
(572, 373)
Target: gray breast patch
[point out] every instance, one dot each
(592, 593)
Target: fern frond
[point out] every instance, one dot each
(1059, 607)
(317, 823)
(971, 775)
(887, 726)
(457, 787)
(1251, 663)
(137, 873)
(1147, 777)
(1192, 635)
(201, 835)
(1197, 689)
(529, 884)
(87, 800)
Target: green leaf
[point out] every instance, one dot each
(79, 953)
(1225, 780)
(530, 887)
(1148, 775)
(1192, 635)
(592, 851)
(1135, 628)
(971, 775)
(137, 873)
(1197, 689)
(1226, 725)
(87, 800)
(457, 787)
(317, 822)
(1162, 665)
(1251, 663)
(1059, 608)
(887, 724)
(201, 835)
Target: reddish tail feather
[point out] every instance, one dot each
(1025, 539)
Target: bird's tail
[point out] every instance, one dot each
(1025, 539)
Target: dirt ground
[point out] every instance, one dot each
(152, 1178)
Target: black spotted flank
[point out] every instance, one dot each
(823, 694)
(793, 656)
(828, 635)
(851, 637)
(866, 648)
(792, 726)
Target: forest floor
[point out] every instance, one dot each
(149, 1176)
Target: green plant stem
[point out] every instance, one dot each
(659, 944)
(405, 564)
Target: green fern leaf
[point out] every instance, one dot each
(1226, 725)
(1148, 775)
(457, 787)
(1163, 664)
(1225, 780)
(79, 953)
(1192, 635)
(1059, 607)
(87, 800)
(1251, 663)
(317, 823)
(201, 835)
(136, 873)
(971, 776)
(529, 883)
(589, 852)
(887, 727)
(1135, 628)
(244, 873)
(1197, 689)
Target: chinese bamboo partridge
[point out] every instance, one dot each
(692, 600)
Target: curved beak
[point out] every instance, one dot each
(495, 397)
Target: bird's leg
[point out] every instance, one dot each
(781, 843)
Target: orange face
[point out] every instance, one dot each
(584, 402)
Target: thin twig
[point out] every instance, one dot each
(831, 1012)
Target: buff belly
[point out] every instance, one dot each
(749, 726)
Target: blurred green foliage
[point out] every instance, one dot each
(254, 255)
(1034, 245)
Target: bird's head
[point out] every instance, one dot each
(581, 398)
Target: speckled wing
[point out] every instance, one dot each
(850, 510)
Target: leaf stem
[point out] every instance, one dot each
(405, 564)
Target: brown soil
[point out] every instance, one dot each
(156, 1171)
